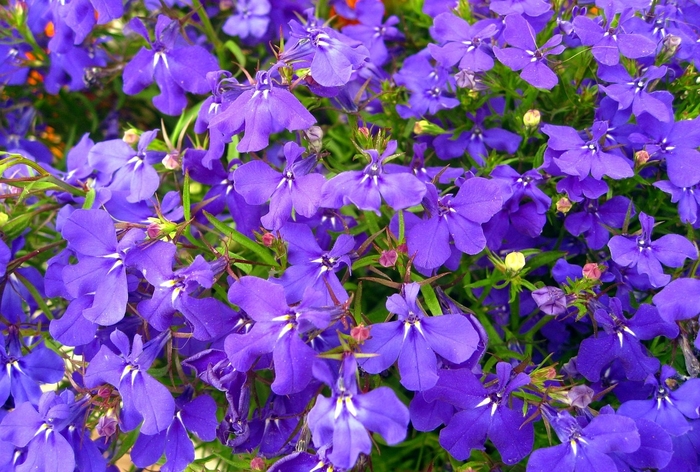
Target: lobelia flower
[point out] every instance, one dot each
(144, 399)
(366, 188)
(53, 435)
(425, 174)
(463, 43)
(581, 157)
(431, 87)
(304, 462)
(525, 55)
(676, 142)
(197, 415)
(631, 91)
(131, 171)
(313, 267)
(679, 300)
(524, 7)
(688, 199)
(98, 282)
(415, 339)
(174, 65)
(455, 218)
(21, 374)
(296, 189)
(551, 300)
(208, 317)
(585, 447)
(647, 256)
(344, 420)
(263, 108)
(479, 140)
(484, 412)
(595, 219)
(672, 409)
(278, 329)
(68, 69)
(371, 32)
(620, 338)
(332, 57)
(609, 42)
(251, 19)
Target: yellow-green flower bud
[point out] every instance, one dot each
(515, 261)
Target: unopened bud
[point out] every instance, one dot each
(402, 248)
(671, 44)
(153, 230)
(225, 5)
(107, 426)
(515, 261)
(641, 157)
(268, 239)
(315, 137)
(564, 205)
(388, 258)
(104, 392)
(426, 127)
(592, 271)
(360, 333)
(171, 161)
(531, 118)
(580, 396)
(131, 136)
(364, 131)
(467, 79)
(258, 463)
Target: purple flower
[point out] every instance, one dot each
(457, 218)
(430, 86)
(526, 55)
(628, 91)
(296, 189)
(143, 397)
(263, 108)
(647, 256)
(462, 43)
(251, 19)
(585, 448)
(524, 7)
(371, 32)
(129, 170)
(196, 415)
(579, 157)
(551, 300)
(610, 41)
(620, 338)
(366, 188)
(595, 220)
(278, 329)
(485, 411)
(344, 420)
(679, 300)
(688, 199)
(415, 339)
(174, 65)
(313, 267)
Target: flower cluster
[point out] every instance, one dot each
(289, 235)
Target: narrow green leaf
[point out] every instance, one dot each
(242, 239)
(186, 197)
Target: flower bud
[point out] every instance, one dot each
(671, 44)
(426, 127)
(592, 271)
(131, 136)
(363, 131)
(564, 205)
(580, 396)
(388, 258)
(515, 261)
(467, 79)
(315, 137)
(641, 157)
(360, 333)
(107, 426)
(171, 161)
(268, 239)
(258, 463)
(531, 118)
(551, 300)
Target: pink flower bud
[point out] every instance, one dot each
(388, 258)
(592, 271)
(360, 333)
(268, 239)
(258, 463)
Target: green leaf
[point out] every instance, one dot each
(431, 299)
(243, 240)
(237, 52)
(544, 258)
(186, 197)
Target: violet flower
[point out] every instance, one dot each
(632, 91)
(463, 43)
(688, 199)
(366, 188)
(647, 256)
(344, 420)
(296, 189)
(251, 19)
(372, 32)
(525, 55)
(263, 108)
(415, 339)
(174, 65)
